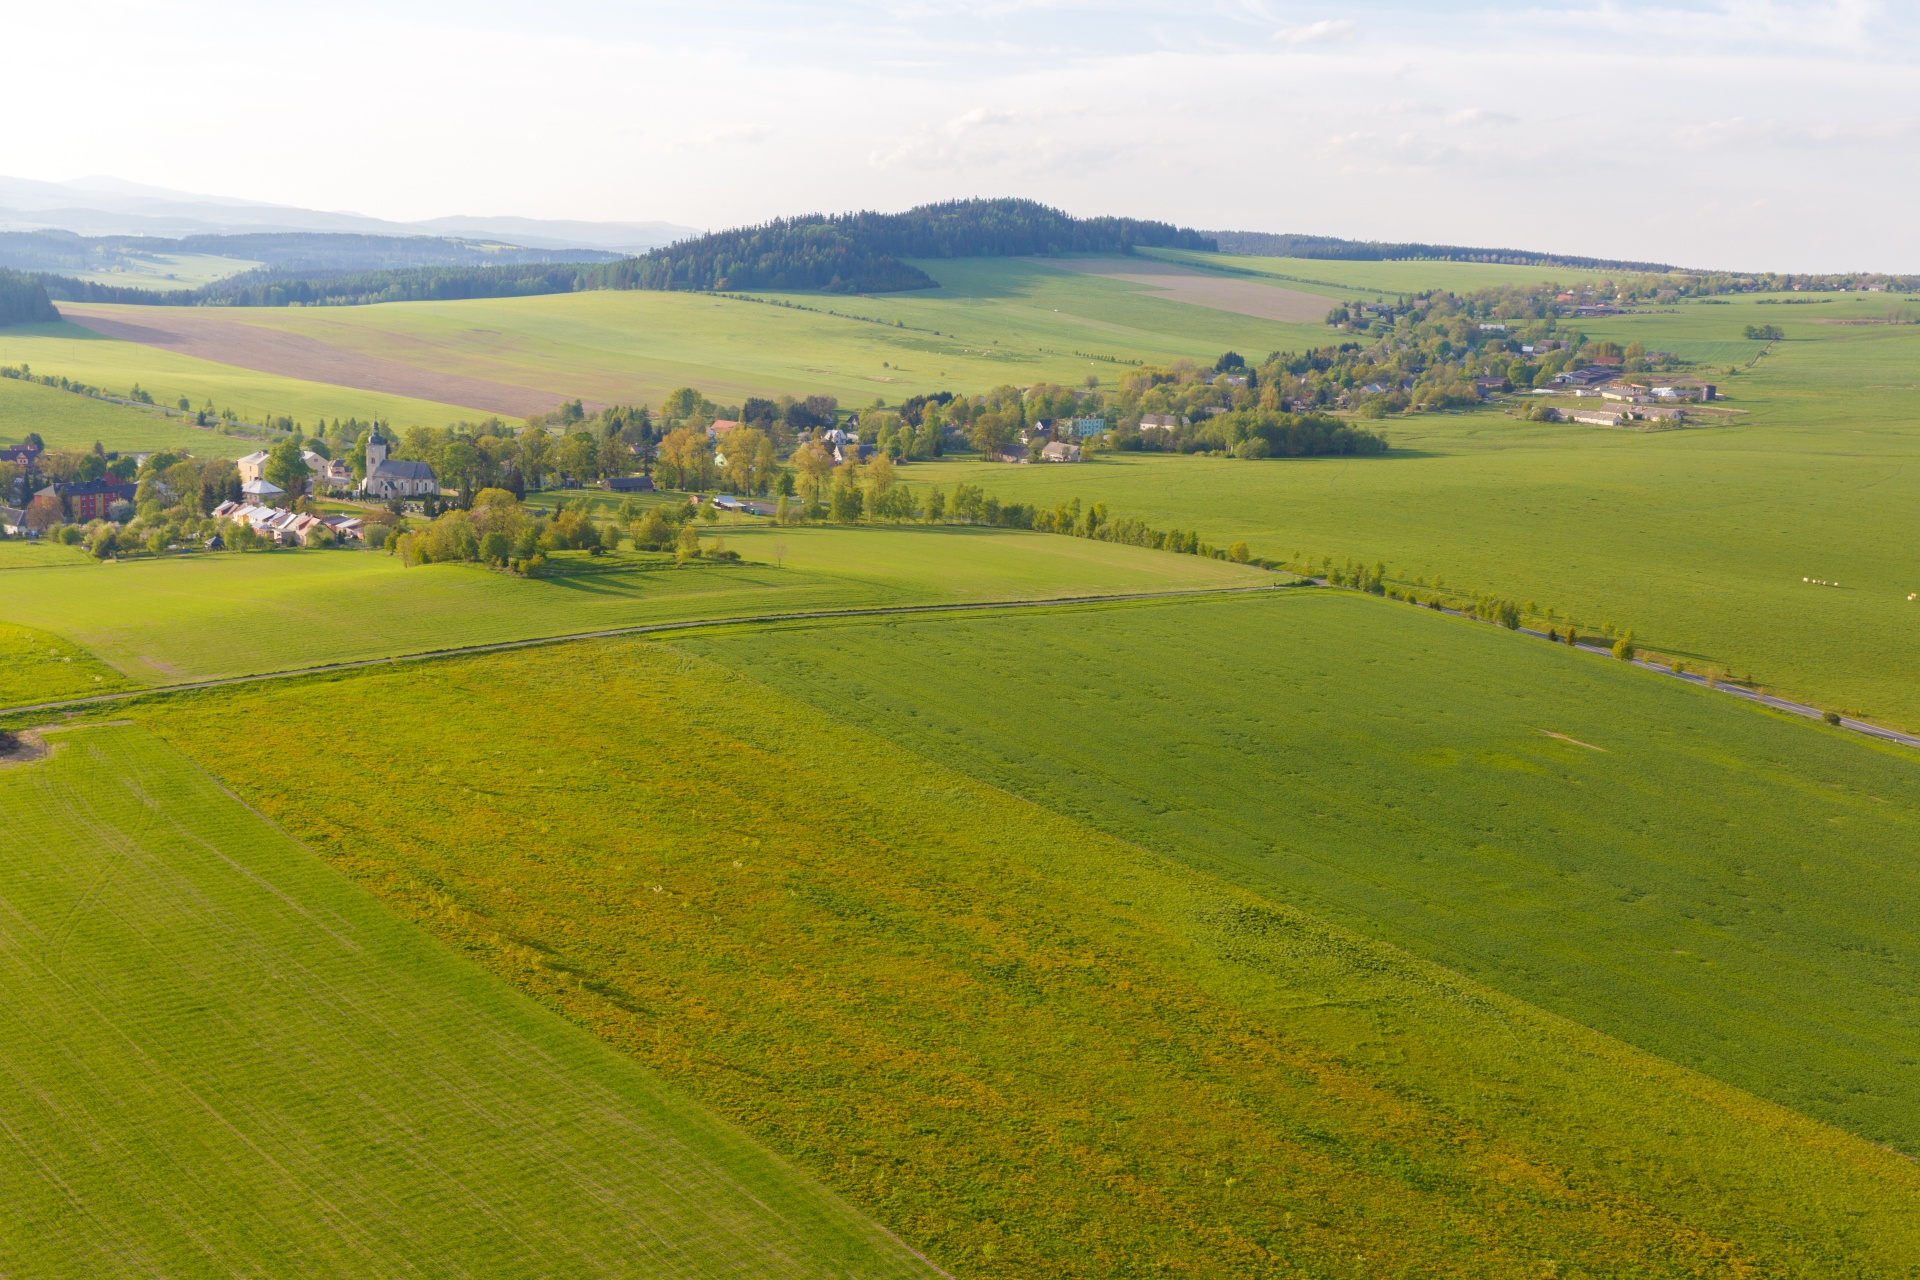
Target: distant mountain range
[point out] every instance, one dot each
(102, 206)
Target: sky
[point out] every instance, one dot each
(1744, 134)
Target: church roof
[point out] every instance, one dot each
(389, 469)
(376, 437)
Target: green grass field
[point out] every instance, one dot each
(1728, 888)
(37, 667)
(179, 618)
(1384, 280)
(1028, 1047)
(1697, 540)
(68, 421)
(223, 1059)
(991, 322)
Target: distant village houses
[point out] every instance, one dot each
(84, 500)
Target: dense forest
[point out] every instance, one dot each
(863, 252)
(846, 253)
(23, 300)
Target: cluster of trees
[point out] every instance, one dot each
(24, 300)
(498, 530)
(1764, 333)
(1427, 351)
(864, 252)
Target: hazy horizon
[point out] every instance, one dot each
(1739, 134)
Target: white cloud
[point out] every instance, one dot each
(1322, 32)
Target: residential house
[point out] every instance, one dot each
(1060, 451)
(24, 456)
(388, 478)
(326, 475)
(1160, 422)
(87, 499)
(1490, 385)
(13, 520)
(253, 466)
(1492, 328)
(1084, 427)
(721, 427)
(261, 492)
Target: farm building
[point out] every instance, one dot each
(388, 478)
(1159, 422)
(1060, 451)
(629, 484)
(1596, 417)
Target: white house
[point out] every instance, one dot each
(326, 475)
(389, 478)
(1060, 451)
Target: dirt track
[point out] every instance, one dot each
(1203, 289)
(212, 335)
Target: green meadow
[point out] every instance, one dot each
(223, 1059)
(1345, 280)
(1733, 890)
(991, 322)
(1028, 1046)
(68, 421)
(1697, 540)
(198, 616)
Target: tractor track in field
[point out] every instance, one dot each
(607, 633)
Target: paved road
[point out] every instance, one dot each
(652, 628)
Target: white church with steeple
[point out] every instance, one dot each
(388, 478)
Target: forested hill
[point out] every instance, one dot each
(23, 300)
(863, 252)
(1267, 244)
(844, 253)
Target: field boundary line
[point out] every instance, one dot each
(638, 629)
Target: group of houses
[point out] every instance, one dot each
(386, 477)
(1622, 401)
(289, 528)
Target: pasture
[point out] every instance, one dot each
(199, 616)
(1383, 280)
(1028, 1047)
(67, 421)
(37, 667)
(993, 321)
(1730, 889)
(224, 1059)
(1697, 540)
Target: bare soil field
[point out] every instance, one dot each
(211, 335)
(1203, 289)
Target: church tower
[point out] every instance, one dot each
(376, 449)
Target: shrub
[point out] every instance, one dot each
(1623, 648)
(1831, 717)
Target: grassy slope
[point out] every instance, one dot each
(68, 421)
(230, 614)
(1730, 889)
(115, 366)
(992, 322)
(223, 1059)
(1383, 280)
(1030, 1048)
(1698, 540)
